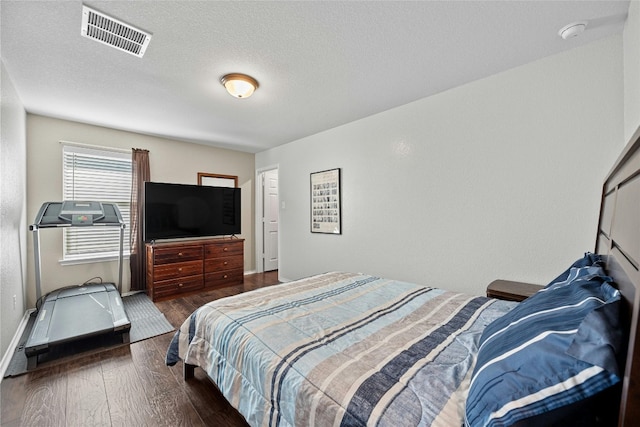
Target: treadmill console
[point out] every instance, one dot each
(81, 213)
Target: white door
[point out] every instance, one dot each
(270, 220)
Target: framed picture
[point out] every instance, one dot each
(217, 180)
(325, 202)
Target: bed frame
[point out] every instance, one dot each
(618, 240)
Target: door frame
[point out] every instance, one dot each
(259, 227)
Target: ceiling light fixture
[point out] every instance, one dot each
(572, 30)
(239, 85)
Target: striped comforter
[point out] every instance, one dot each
(340, 349)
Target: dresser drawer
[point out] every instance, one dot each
(177, 269)
(171, 288)
(224, 278)
(184, 267)
(171, 255)
(227, 248)
(224, 263)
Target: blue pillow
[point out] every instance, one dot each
(587, 260)
(555, 348)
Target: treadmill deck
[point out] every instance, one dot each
(74, 313)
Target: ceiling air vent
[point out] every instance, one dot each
(110, 31)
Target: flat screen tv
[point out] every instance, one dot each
(181, 211)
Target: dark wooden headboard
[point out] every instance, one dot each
(619, 241)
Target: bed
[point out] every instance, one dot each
(347, 349)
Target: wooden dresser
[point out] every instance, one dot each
(185, 267)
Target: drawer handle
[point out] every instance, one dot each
(179, 253)
(225, 249)
(226, 262)
(179, 285)
(225, 276)
(180, 269)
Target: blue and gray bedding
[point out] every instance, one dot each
(340, 349)
(345, 349)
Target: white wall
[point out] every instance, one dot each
(632, 70)
(499, 178)
(13, 223)
(170, 161)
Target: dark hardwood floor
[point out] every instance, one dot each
(124, 386)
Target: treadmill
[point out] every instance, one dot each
(76, 312)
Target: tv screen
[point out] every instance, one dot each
(180, 210)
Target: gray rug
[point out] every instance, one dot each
(146, 319)
(146, 322)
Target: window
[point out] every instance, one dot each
(101, 175)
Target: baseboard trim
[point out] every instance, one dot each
(15, 341)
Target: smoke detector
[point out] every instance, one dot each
(113, 32)
(572, 30)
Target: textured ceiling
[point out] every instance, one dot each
(320, 64)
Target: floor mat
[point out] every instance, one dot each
(146, 320)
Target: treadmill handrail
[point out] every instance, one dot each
(40, 224)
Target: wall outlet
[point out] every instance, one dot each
(15, 301)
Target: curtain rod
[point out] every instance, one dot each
(95, 147)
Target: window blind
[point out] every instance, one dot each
(100, 175)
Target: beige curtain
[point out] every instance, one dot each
(141, 174)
